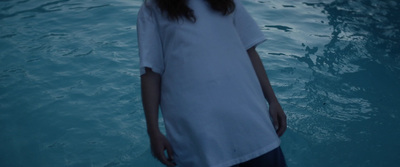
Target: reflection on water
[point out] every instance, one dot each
(336, 68)
(361, 58)
(353, 93)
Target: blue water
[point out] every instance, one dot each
(70, 93)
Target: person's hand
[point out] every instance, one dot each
(278, 118)
(159, 143)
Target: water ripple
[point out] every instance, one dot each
(70, 90)
(39, 9)
(279, 27)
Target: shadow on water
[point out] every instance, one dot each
(355, 86)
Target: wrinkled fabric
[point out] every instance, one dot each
(213, 107)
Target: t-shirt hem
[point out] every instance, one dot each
(255, 42)
(154, 69)
(250, 156)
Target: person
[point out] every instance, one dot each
(199, 66)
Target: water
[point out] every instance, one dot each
(70, 93)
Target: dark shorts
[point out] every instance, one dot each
(273, 158)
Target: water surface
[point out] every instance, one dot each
(70, 93)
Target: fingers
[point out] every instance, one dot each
(163, 159)
(170, 154)
(160, 155)
(282, 124)
(278, 118)
(275, 121)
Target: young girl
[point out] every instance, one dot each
(199, 64)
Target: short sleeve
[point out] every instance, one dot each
(248, 30)
(150, 47)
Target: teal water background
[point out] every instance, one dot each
(70, 93)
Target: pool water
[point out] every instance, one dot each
(70, 91)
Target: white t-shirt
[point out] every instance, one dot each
(213, 107)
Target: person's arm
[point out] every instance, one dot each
(275, 109)
(151, 90)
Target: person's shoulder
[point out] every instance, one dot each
(237, 2)
(149, 3)
(147, 8)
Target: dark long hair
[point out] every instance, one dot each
(177, 9)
